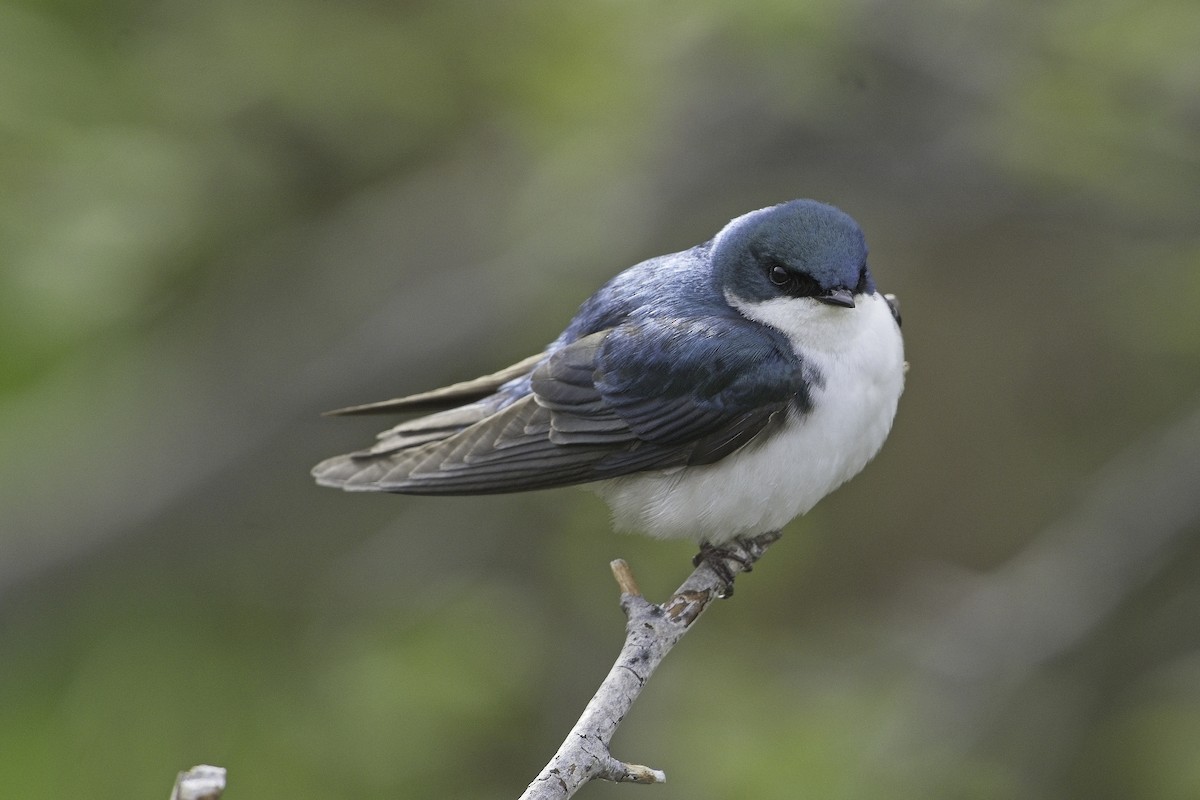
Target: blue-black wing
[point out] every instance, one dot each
(646, 394)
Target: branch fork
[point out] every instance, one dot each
(651, 630)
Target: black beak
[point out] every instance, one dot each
(838, 297)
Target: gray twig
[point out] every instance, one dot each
(650, 632)
(202, 782)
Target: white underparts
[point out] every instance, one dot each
(860, 356)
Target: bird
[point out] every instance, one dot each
(711, 394)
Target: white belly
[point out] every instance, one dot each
(765, 485)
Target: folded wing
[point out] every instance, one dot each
(651, 394)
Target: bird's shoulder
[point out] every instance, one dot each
(676, 284)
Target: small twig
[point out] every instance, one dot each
(625, 579)
(650, 632)
(199, 783)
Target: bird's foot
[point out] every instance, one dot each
(718, 558)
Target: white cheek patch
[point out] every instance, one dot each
(809, 324)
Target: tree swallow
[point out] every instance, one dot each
(708, 394)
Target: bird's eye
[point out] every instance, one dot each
(793, 284)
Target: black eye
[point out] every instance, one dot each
(793, 284)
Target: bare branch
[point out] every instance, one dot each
(650, 632)
(625, 579)
(199, 783)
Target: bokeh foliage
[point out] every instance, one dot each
(220, 218)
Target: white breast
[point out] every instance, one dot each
(765, 485)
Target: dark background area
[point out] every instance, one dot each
(219, 219)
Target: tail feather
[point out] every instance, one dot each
(507, 451)
(448, 396)
(431, 428)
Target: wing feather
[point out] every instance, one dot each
(448, 396)
(650, 394)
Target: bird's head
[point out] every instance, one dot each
(801, 249)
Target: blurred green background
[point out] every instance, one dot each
(218, 219)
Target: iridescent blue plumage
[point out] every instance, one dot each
(675, 371)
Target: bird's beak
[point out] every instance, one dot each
(838, 297)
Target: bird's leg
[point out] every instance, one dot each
(717, 556)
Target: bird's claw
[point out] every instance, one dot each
(718, 558)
